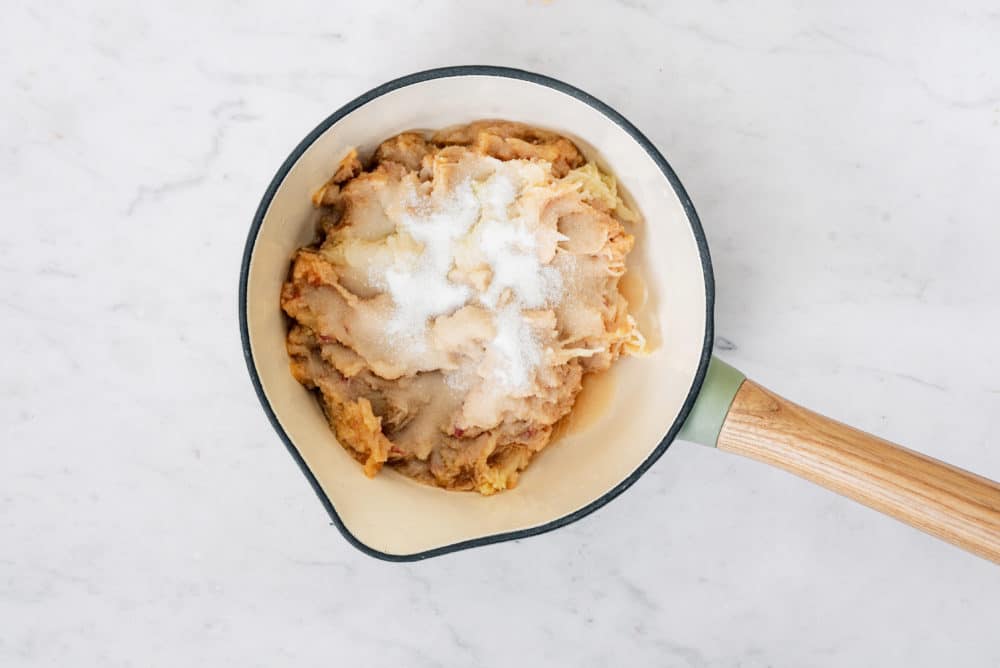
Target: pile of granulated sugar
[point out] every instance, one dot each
(515, 348)
(419, 285)
(484, 215)
(511, 250)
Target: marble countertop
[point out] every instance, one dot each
(845, 161)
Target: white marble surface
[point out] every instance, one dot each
(845, 161)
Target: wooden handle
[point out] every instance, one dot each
(945, 501)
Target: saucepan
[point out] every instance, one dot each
(680, 390)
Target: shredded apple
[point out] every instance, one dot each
(460, 289)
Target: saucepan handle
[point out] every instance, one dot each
(738, 415)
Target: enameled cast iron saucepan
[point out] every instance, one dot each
(678, 391)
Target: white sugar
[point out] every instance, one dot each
(421, 294)
(515, 348)
(422, 290)
(486, 217)
(511, 249)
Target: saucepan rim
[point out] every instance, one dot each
(668, 173)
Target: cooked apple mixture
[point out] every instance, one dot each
(462, 285)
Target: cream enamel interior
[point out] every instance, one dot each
(394, 515)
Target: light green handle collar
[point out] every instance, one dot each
(704, 422)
